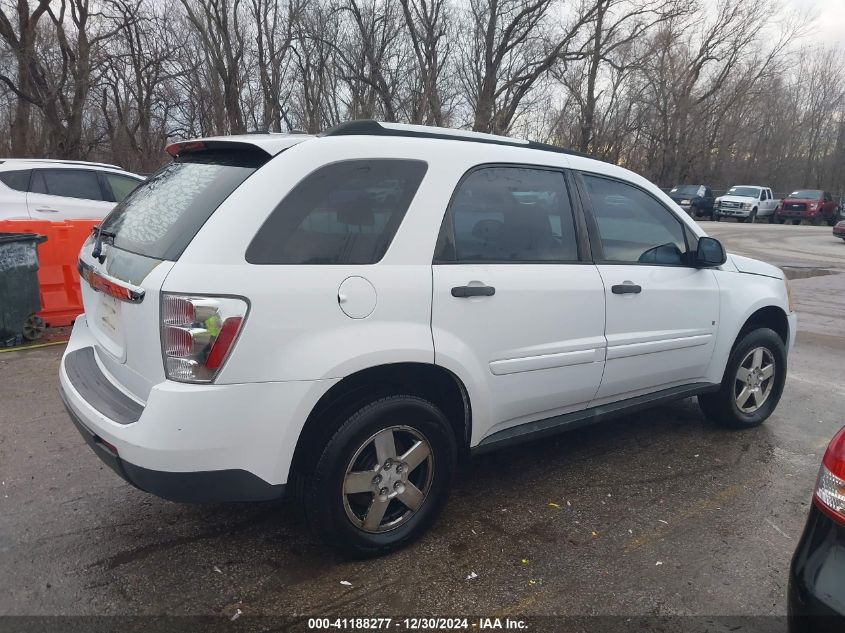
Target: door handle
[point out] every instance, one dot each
(473, 291)
(46, 210)
(626, 289)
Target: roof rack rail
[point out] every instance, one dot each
(65, 162)
(369, 127)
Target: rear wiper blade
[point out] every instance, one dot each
(97, 252)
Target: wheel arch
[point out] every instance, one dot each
(426, 380)
(772, 317)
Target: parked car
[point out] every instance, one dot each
(746, 202)
(813, 205)
(262, 317)
(816, 602)
(60, 189)
(839, 229)
(697, 200)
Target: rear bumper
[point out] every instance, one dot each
(192, 487)
(188, 442)
(816, 595)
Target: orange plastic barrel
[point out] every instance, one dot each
(58, 279)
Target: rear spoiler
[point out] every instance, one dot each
(186, 147)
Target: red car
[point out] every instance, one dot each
(839, 229)
(814, 205)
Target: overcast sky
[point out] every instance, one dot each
(829, 26)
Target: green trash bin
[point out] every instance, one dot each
(19, 293)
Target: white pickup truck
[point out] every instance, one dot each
(746, 202)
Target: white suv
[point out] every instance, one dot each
(347, 315)
(56, 190)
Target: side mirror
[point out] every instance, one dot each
(710, 253)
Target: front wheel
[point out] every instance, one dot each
(383, 477)
(752, 384)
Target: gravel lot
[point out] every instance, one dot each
(653, 514)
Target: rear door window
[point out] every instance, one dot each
(343, 213)
(166, 211)
(68, 183)
(17, 180)
(509, 215)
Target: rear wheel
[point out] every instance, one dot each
(383, 477)
(33, 328)
(752, 384)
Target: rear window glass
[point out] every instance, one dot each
(17, 180)
(343, 213)
(161, 217)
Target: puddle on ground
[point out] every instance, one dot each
(804, 272)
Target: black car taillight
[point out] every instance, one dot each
(830, 487)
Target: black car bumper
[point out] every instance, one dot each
(193, 487)
(816, 600)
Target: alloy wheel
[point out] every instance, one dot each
(755, 378)
(388, 479)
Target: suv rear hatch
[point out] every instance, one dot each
(142, 238)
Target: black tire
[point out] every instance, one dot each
(796, 222)
(721, 406)
(717, 217)
(742, 220)
(752, 217)
(325, 503)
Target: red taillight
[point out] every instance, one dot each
(198, 333)
(830, 487)
(223, 342)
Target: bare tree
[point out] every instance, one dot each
(510, 46)
(218, 26)
(426, 22)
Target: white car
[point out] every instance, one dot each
(746, 202)
(348, 315)
(56, 190)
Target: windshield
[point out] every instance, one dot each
(806, 194)
(161, 217)
(686, 190)
(748, 192)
